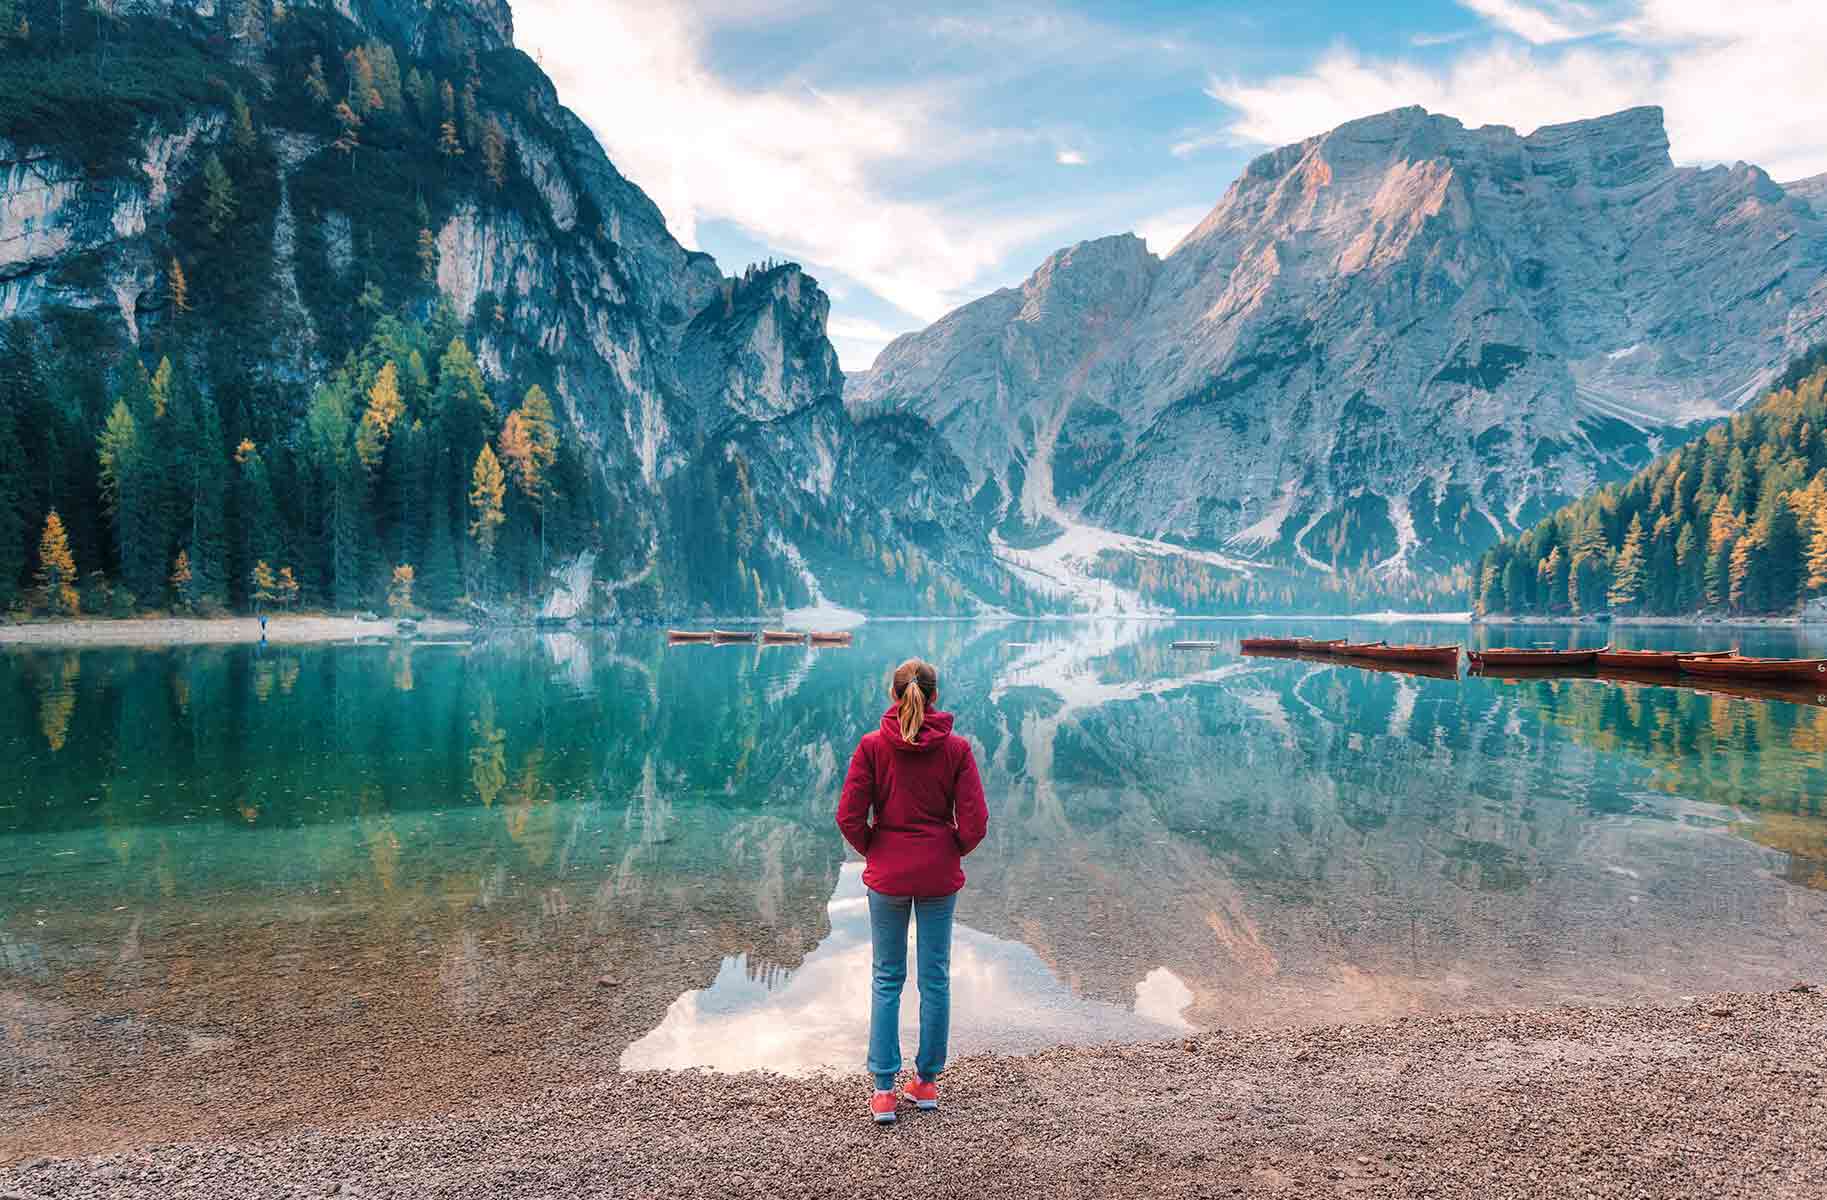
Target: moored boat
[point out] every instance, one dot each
(1384, 652)
(1314, 646)
(1516, 657)
(1196, 645)
(1395, 666)
(836, 638)
(690, 635)
(1270, 643)
(1733, 666)
(781, 636)
(733, 635)
(1653, 660)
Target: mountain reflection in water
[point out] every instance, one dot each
(807, 1020)
(556, 853)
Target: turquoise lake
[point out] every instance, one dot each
(591, 851)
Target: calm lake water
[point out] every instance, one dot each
(596, 850)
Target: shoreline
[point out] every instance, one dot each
(214, 631)
(1722, 1096)
(306, 629)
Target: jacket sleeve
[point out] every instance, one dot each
(968, 810)
(857, 798)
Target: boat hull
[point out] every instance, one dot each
(733, 635)
(689, 635)
(1442, 656)
(1309, 646)
(1575, 659)
(1652, 660)
(1792, 670)
(1268, 643)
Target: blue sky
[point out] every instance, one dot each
(914, 157)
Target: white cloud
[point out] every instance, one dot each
(791, 165)
(858, 340)
(1736, 82)
(1541, 24)
(1069, 158)
(1163, 230)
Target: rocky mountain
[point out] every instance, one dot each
(717, 462)
(1387, 347)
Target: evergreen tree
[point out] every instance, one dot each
(209, 485)
(494, 152)
(1627, 571)
(385, 68)
(14, 494)
(1690, 586)
(219, 203)
(56, 569)
(449, 144)
(1780, 571)
(242, 124)
(262, 538)
(315, 83)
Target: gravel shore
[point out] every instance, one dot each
(1726, 1096)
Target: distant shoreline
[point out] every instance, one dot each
(208, 631)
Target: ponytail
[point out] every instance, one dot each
(915, 686)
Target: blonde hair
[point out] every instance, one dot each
(915, 686)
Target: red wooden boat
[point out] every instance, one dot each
(1271, 643)
(690, 635)
(828, 639)
(1733, 666)
(1653, 660)
(733, 635)
(1310, 646)
(1485, 659)
(1384, 652)
(781, 637)
(1432, 670)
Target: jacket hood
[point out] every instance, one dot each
(933, 731)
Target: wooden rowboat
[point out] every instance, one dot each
(1485, 659)
(733, 635)
(1732, 666)
(1270, 643)
(829, 639)
(690, 635)
(781, 637)
(1311, 646)
(1430, 670)
(1652, 660)
(1384, 652)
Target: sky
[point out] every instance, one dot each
(913, 157)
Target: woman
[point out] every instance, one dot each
(918, 781)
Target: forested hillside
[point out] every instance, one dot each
(337, 305)
(1735, 521)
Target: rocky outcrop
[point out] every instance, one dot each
(1386, 346)
(563, 273)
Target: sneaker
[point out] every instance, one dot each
(923, 1093)
(881, 1107)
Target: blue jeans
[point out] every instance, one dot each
(888, 937)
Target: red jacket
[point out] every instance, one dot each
(927, 802)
